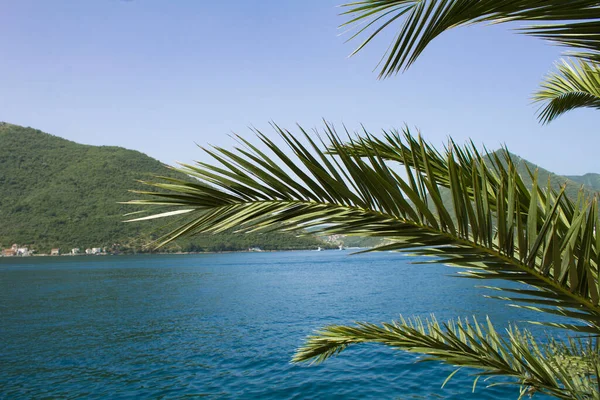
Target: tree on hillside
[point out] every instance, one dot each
(574, 24)
(496, 227)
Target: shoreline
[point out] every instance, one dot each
(167, 253)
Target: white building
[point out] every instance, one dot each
(23, 251)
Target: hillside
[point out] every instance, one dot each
(57, 193)
(573, 183)
(590, 180)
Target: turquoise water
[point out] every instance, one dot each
(223, 326)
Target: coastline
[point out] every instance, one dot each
(168, 253)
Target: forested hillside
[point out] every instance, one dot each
(589, 182)
(57, 193)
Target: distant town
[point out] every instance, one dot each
(327, 242)
(16, 251)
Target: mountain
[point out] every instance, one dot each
(590, 180)
(55, 193)
(590, 183)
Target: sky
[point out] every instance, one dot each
(164, 76)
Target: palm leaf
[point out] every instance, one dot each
(574, 23)
(563, 370)
(574, 85)
(497, 228)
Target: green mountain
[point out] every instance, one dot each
(55, 193)
(573, 183)
(590, 183)
(590, 180)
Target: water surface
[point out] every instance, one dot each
(223, 326)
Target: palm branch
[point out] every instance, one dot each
(575, 85)
(495, 228)
(559, 370)
(575, 23)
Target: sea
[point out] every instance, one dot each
(225, 326)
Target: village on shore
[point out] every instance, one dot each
(24, 251)
(329, 242)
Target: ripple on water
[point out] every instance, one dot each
(222, 326)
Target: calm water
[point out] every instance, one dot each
(222, 326)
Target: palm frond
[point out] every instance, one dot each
(574, 85)
(497, 167)
(574, 23)
(563, 370)
(496, 227)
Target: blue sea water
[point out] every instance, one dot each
(224, 326)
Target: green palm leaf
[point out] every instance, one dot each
(557, 369)
(572, 23)
(574, 85)
(496, 228)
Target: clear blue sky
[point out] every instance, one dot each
(159, 76)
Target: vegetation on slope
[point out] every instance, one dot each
(572, 183)
(57, 193)
(590, 180)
